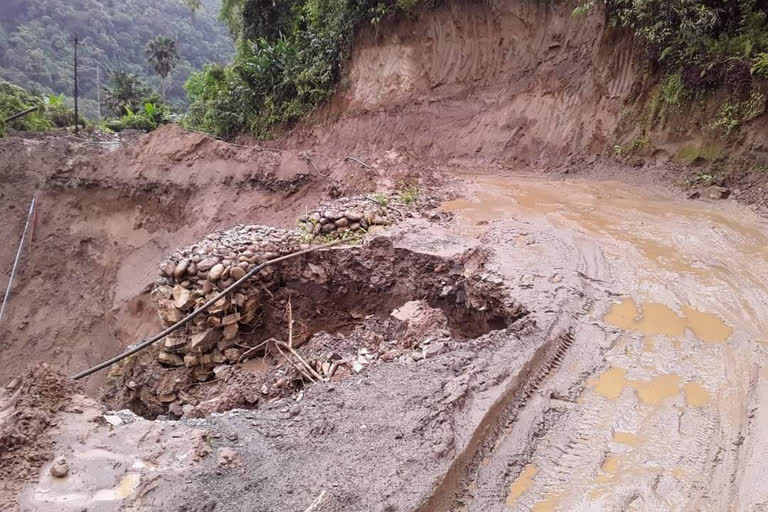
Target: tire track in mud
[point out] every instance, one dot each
(454, 490)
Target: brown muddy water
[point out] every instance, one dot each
(667, 418)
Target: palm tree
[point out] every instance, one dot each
(125, 90)
(163, 56)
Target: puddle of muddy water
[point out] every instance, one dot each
(626, 438)
(125, 488)
(521, 484)
(548, 504)
(654, 391)
(724, 252)
(653, 319)
(612, 383)
(695, 394)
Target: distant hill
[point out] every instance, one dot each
(36, 49)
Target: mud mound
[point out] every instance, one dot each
(27, 408)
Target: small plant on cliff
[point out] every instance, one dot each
(408, 194)
(734, 114)
(380, 198)
(673, 90)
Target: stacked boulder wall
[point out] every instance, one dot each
(516, 82)
(340, 309)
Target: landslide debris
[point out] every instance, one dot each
(319, 317)
(28, 405)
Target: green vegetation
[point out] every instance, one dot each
(696, 34)
(124, 92)
(760, 67)
(408, 194)
(133, 105)
(734, 114)
(14, 99)
(51, 110)
(163, 56)
(36, 43)
(149, 117)
(692, 153)
(288, 60)
(672, 89)
(712, 57)
(380, 198)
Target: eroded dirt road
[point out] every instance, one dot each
(633, 379)
(660, 402)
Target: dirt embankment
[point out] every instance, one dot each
(104, 220)
(513, 83)
(525, 85)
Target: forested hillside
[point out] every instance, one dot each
(36, 42)
(290, 54)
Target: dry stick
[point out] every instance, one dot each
(289, 345)
(315, 167)
(358, 161)
(252, 349)
(306, 365)
(315, 503)
(290, 323)
(402, 215)
(298, 369)
(234, 286)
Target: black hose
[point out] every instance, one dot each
(234, 286)
(20, 114)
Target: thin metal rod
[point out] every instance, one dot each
(18, 256)
(234, 286)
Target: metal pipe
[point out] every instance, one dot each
(234, 286)
(16, 261)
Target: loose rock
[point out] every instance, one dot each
(60, 468)
(216, 272)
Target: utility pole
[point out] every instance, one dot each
(77, 113)
(98, 87)
(77, 118)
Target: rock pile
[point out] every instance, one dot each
(194, 275)
(350, 214)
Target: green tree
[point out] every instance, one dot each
(163, 56)
(36, 48)
(125, 92)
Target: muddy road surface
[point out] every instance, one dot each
(659, 403)
(626, 372)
